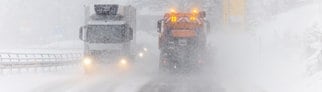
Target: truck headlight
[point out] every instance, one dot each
(87, 61)
(123, 61)
(123, 64)
(141, 54)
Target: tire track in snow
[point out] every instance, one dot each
(181, 83)
(100, 83)
(60, 86)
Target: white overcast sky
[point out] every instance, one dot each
(36, 22)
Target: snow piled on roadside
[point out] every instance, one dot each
(283, 43)
(272, 57)
(27, 83)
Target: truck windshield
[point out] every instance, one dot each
(106, 33)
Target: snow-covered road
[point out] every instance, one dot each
(97, 83)
(270, 58)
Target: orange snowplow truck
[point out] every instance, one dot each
(182, 40)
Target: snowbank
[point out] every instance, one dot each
(270, 58)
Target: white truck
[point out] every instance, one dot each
(108, 34)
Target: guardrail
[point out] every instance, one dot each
(12, 61)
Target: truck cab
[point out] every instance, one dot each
(109, 35)
(182, 39)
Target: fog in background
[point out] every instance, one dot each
(35, 23)
(270, 56)
(47, 23)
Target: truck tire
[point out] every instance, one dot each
(163, 67)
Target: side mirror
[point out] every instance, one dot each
(159, 26)
(202, 14)
(81, 33)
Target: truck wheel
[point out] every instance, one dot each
(162, 64)
(162, 68)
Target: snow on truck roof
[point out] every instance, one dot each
(108, 9)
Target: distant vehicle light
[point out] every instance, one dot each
(145, 49)
(141, 54)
